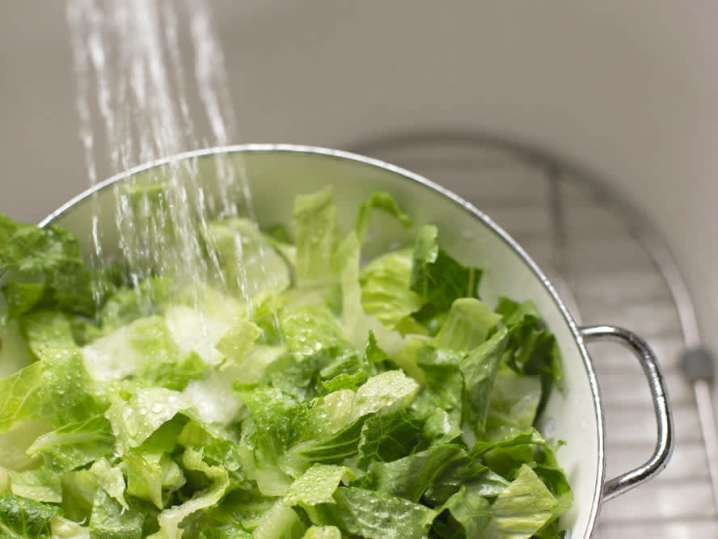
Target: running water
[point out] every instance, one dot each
(137, 103)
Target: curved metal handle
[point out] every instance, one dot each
(664, 445)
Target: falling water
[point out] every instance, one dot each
(138, 103)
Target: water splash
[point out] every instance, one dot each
(137, 103)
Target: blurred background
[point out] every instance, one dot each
(543, 114)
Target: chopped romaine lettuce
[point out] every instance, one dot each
(310, 390)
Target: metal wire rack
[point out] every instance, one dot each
(610, 266)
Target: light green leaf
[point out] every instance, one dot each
(247, 259)
(14, 351)
(308, 331)
(323, 532)
(471, 510)
(367, 514)
(385, 292)
(15, 442)
(330, 413)
(355, 322)
(78, 494)
(467, 325)
(110, 478)
(213, 400)
(317, 485)
(149, 475)
(170, 519)
(479, 369)
(280, 522)
(63, 528)
(514, 400)
(41, 485)
(150, 408)
(252, 368)
(74, 444)
(238, 341)
(129, 349)
(315, 230)
(198, 329)
(523, 507)
(55, 391)
(49, 336)
(385, 392)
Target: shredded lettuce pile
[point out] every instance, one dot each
(313, 394)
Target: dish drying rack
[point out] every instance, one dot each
(608, 264)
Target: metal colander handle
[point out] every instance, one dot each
(665, 441)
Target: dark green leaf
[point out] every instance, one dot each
(437, 277)
(411, 476)
(22, 518)
(388, 437)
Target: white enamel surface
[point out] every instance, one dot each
(573, 415)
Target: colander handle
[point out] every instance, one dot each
(664, 444)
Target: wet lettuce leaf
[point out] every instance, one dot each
(22, 517)
(42, 266)
(439, 278)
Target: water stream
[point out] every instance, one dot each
(139, 101)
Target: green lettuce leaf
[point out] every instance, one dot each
(514, 401)
(441, 402)
(479, 370)
(124, 305)
(471, 510)
(78, 494)
(323, 532)
(310, 331)
(56, 391)
(49, 336)
(524, 507)
(63, 528)
(247, 260)
(135, 421)
(74, 445)
(14, 350)
(111, 480)
(42, 266)
(317, 485)
(385, 288)
(437, 277)
(316, 233)
(467, 325)
(111, 521)
(171, 519)
(21, 518)
(280, 521)
(385, 392)
(383, 202)
(41, 485)
(411, 476)
(388, 437)
(532, 349)
(364, 513)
